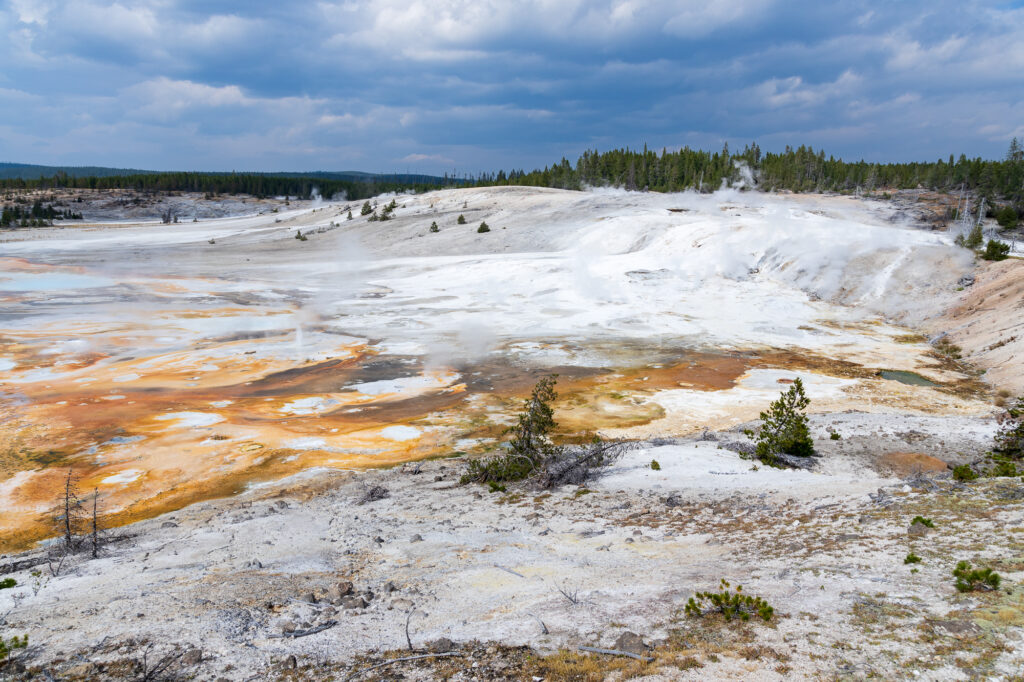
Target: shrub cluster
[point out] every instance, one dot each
(729, 603)
(10, 646)
(968, 579)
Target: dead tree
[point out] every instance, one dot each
(70, 507)
(95, 535)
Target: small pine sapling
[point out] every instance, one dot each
(7, 647)
(964, 472)
(655, 465)
(434, 227)
(912, 559)
(484, 227)
(731, 604)
(461, 220)
(784, 427)
(969, 580)
(366, 209)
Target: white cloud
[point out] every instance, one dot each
(417, 158)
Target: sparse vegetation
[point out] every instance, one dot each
(655, 465)
(530, 446)
(996, 250)
(7, 583)
(834, 436)
(366, 209)
(483, 227)
(7, 647)
(964, 472)
(784, 427)
(923, 521)
(531, 454)
(301, 237)
(434, 227)
(969, 580)
(731, 604)
(461, 219)
(912, 558)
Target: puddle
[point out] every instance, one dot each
(904, 377)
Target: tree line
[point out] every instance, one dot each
(799, 170)
(802, 169)
(255, 184)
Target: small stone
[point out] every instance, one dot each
(192, 657)
(441, 645)
(281, 504)
(291, 663)
(631, 642)
(168, 524)
(288, 626)
(308, 597)
(388, 588)
(917, 530)
(629, 540)
(367, 595)
(345, 587)
(637, 532)
(416, 538)
(379, 540)
(401, 604)
(356, 602)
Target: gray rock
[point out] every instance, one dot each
(168, 524)
(441, 645)
(416, 538)
(631, 642)
(192, 657)
(288, 626)
(917, 530)
(356, 602)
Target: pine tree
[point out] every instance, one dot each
(784, 427)
(434, 227)
(366, 209)
(461, 220)
(483, 227)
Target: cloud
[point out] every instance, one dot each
(417, 158)
(489, 84)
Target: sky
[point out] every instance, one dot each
(479, 85)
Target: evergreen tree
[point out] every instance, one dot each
(784, 427)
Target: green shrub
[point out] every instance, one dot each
(974, 237)
(349, 217)
(434, 227)
(483, 227)
(964, 472)
(530, 446)
(1002, 468)
(968, 579)
(298, 235)
(728, 603)
(1007, 217)
(784, 427)
(7, 583)
(912, 559)
(923, 521)
(461, 220)
(834, 436)
(655, 465)
(8, 647)
(366, 209)
(496, 487)
(996, 250)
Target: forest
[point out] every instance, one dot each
(802, 169)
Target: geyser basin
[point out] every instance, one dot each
(259, 355)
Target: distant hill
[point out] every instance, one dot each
(26, 171)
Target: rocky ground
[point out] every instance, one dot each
(335, 573)
(325, 577)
